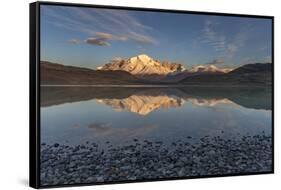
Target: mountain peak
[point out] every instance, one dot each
(144, 57)
(143, 65)
(209, 69)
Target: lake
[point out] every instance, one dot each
(83, 114)
(163, 118)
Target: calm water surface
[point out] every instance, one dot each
(75, 115)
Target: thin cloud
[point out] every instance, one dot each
(226, 48)
(123, 20)
(238, 42)
(104, 35)
(102, 39)
(118, 25)
(108, 36)
(142, 39)
(97, 41)
(213, 37)
(74, 41)
(216, 62)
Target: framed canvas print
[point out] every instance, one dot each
(121, 94)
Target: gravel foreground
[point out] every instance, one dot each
(148, 160)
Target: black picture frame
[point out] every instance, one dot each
(34, 86)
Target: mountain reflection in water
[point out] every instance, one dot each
(128, 127)
(144, 105)
(78, 114)
(146, 100)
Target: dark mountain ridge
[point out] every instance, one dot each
(58, 74)
(253, 68)
(250, 74)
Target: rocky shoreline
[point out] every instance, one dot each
(148, 160)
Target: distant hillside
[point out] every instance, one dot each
(250, 74)
(253, 68)
(57, 74)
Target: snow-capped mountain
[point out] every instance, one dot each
(142, 65)
(208, 69)
(147, 67)
(196, 70)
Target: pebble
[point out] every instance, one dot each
(89, 163)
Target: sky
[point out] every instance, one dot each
(91, 37)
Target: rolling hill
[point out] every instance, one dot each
(57, 74)
(145, 70)
(250, 74)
